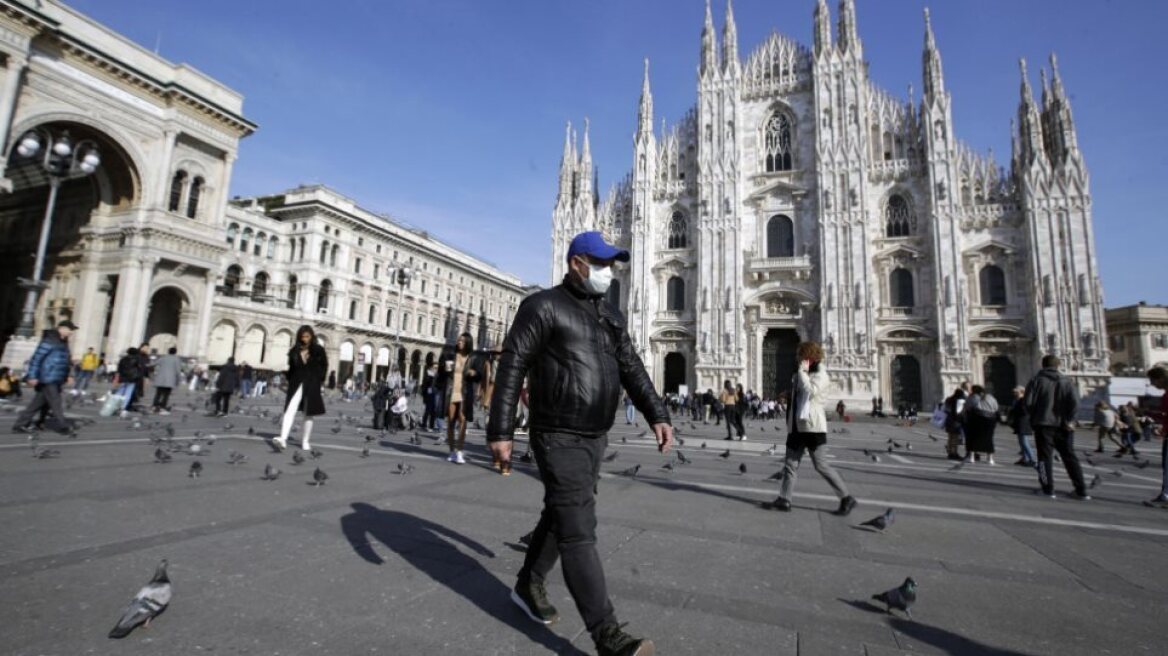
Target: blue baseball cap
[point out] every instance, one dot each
(592, 244)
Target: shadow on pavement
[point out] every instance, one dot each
(415, 540)
(947, 641)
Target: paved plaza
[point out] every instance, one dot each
(375, 562)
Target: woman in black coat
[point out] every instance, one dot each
(225, 385)
(307, 365)
(459, 373)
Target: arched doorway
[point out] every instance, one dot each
(221, 344)
(674, 372)
(345, 361)
(251, 349)
(366, 370)
(112, 188)
(778, 361)
(162, 323)
(382, 370)
(276, 358)
(1000, 377)
(906, 381)
(416, 365)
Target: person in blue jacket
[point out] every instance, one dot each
(48, 370)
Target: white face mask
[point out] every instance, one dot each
(599, 278)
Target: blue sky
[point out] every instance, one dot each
(450, 113)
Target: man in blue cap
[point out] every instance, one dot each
(575, 350)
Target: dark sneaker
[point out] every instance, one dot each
(1080, 496)
(532, 599)
(613, 641)
(26, 428)
(779, 504)
(847, 504)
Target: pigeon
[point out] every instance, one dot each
(335, 429)
(771, 450)
(896, 444)
(316, 453)
(902, 598)
(890, 448)
(668, 466)
(933, 437)
(677, 438)
(236, 458)
(149, 603)
(624, 440)
(45, 454)
(211, 440)
(1116, 473)
(691, 425)
(251, 430)
(1143, 464)
(170, 430)
(631, 471)
(403, 468)
(364, 452)
(725, 454)
(527, 457)
(297, 458)
(1096, 481)
(271, 473)
(642, 433)
(612, 456)
(762, 428)
(682, 459)
(369, 439)
(195, 470)
(742, 468)
(703, 445)
(875, 458)
(777, 476)
(319, 477)
(194, 449)
(908, 446)
(228, 426)
(881, 522)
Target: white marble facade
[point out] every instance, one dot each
(796, 200)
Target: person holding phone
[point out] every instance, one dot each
(807, 429)
(460, 375)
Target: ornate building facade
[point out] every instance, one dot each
(797, 200)
(149, 247)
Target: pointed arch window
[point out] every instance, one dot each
(193, 197)
(780, 236)
(992, 283)
(900, 287)
(675, 294)
(777, 140)
(678, 231)
(899, 219)
(176, 190)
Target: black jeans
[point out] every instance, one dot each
(733, 422)
(48, 397)
(162, 398)
(569, 466)
(221, 399)
(1049, 439)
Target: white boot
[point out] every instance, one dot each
(307, 434)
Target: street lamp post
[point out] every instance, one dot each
(61, 160)
(401, 274)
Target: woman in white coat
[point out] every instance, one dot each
(807, 429)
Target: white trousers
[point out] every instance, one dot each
(290, 417)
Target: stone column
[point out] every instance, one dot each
(203, 334)
(162, 191)
(14, 75)
(89, 313)
(187, 338)
(128, 298)
(142, 308)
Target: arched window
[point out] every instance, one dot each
(176, 190)
(780, 237)
(777, 139)
(993, 285)
(193, 197)
(232, 279)
(324, 252)
(675, 294)
(273, 244)
(372, 313)
(232, 233)
(245, 241)
(259, 286)
(677, 231)
(433, 327)
(303, 245)
(261, 239)
(352, 310)
(898, 217)
(405, 324)
(333, 255)
(322, 296)
(293, 288)
(900, 287)
(389, 317)
(421, 324)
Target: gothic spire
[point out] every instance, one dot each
(567, 164)
(730, 40)
(934, 77)
(1062, 123)
(709, 44)
(1029, 123)
(822, 27)
(849, 38)
(586, 157)
(645, 112)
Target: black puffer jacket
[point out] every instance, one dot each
(1051, 400)
(575, 350)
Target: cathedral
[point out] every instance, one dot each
(796, 200)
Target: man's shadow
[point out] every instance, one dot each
(430, 548)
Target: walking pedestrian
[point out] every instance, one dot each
(86, 371)
(807, 429)
(144, 367)
(1158, 377)
(729, 400)
(48, 370)
(246, 379)
(307, 364)
(840, 410)
(1051, 402)
(980, 418)
(429, 407)
(576, 349)
(129, 378)
(225, 385)
(1019, 420)
(9, 384)
(1128, 420)
(1105, 425)
(459, 376)
(630, 410)
(953, 407)
(167, 374)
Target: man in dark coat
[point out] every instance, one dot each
(225, 386)
(1051, 402)
(48, 370)
(576, 351)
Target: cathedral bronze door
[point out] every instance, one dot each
(1000, 379)
(906, 381)
(674, 372)
(778, 361)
